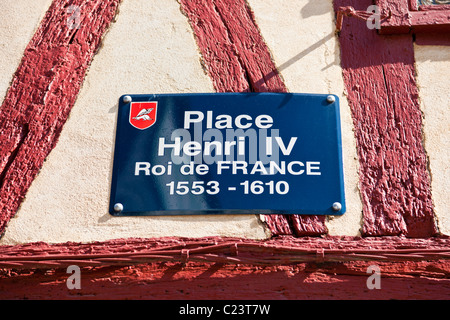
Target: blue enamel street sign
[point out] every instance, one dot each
(227, 153)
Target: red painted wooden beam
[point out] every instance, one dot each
(238, 60)
(412, 278)
(379, 77)
(406, 16)
(209, 281)
(43, 91)
(281, 250)
(411, 269)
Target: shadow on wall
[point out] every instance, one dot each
(313, 9)
(299, 56)
(310, 9)
(307, 51)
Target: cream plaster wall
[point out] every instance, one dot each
(301, 37)
(433, 68)
(16, 32)
(68, 200)
(150, 49)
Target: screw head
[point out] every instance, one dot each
(337, 206)
(118, 207)
(127, 99)
(331, 99)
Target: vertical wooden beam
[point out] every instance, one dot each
(379, 77)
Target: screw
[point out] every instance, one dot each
(118, 207)
(337, 206)
(331, 99)
(127, 99)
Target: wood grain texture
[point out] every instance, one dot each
(43, 91)
(238, 60)
(431, 21)
(407, 277)
(405, 17)
(397, 11)
(379, 77)
(203, 281)
(275, 251)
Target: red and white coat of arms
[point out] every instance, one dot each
(143, 114)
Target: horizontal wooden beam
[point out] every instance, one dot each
(275, 251)
(230, 268)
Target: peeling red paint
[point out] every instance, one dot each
(204, 281)
(278, 250)
(42, 93)
(379, 77)
(238, 60)
(404, 276)
(233, 51)
(394, 180)
(406, 17)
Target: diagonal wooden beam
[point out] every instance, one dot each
(238, 60)
(43, 91)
